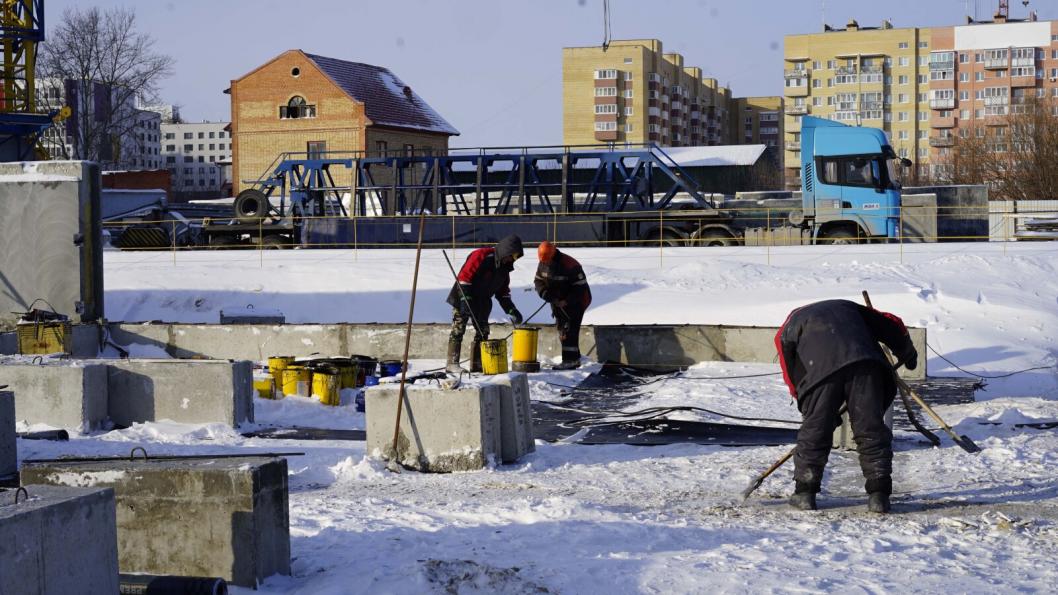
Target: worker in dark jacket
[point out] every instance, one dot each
(830, 356)
(560, 281)
(485, 274)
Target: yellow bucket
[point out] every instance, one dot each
(265, 387)
(348, 375)
(525, 340)
(494, 356)
(297, 381)
(276, 365)
(326, 387)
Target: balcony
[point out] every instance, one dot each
(942, 141)
(847, 70)
(997, 63)
(796, 110)
(996, 101)
(792, 145)
(942, 103)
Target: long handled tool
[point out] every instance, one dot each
(393, 465)
(961, 441)
(463, 295)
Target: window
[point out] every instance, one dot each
(902, 79)
(212, 158)
(964, 95)
(409, 150)
(201, 135)
(816, 83)
(212, 147)
(606, 91)
(852, 171)
(903, 45)
(923, 116)
(905, 61)
(170, 159)
(169, 136)
(605, 126)
(627, 93)
(189, 159)
(964, 77)
(964, 58)
(923, 97)
(902, 135)
(201, 147)
(832, 64)
(315, 149)
(818, 101)
(607, 108)
(628, 60)
(189, 148)
(221, 134)
(188, 135)
(923, 45)
(296, 108)
(170, 148)
(608, 73)
(381, 148)
(628, 128)
(901, 117)
(201, 158)
(629, 111)
(797, 82)
(211, 134)
(1022, 71)
(189, 171)
(922, 79)
(979, 76)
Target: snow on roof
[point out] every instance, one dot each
(729, 155)
(387, 100)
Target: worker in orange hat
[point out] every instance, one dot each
(560, 281)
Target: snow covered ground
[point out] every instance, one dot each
(623, 519)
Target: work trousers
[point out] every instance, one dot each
(460, 320)
(863, 386)
(567, 322)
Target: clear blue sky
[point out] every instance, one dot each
(493, 68)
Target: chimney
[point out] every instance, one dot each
(853, 25)
(887, 24)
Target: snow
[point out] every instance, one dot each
(623, 519)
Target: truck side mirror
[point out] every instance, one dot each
(906, 162)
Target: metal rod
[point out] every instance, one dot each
(407, 334)
(168, 457)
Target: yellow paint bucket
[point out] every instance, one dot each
(297, 381)
(265, 387)
(525, 344)
(494, 356)
(276, 365)
(326, 386)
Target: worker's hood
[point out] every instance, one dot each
(508, 246)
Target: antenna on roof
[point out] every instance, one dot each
(605, 25)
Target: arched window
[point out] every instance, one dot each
(297, 108)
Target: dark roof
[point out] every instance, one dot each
(387, 100)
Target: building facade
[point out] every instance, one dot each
(758, 121)
(193, 153)
(308, 104)
(634, 92)
(923, 86)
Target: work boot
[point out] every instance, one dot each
(804, 496)
(452, 366)
(878, 502)
(475, 357)
(569, 362)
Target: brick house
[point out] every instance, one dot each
(302, 103)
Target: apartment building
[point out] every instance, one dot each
(193, 153)
(634, 92)
(758, 121)
(869, 76)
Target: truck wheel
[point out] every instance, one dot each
(666, 238)
(224, 243)
(251, 206)
(715, 238)
(840, 237)
(275, 242)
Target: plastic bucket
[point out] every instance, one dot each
(276, 365)
(265, 387)
(368, 365)
(494, 356)
(326, 385)
(525, 340)
(297, 380)
(390, 367)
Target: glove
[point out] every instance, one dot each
(910, 359)
(516, 316)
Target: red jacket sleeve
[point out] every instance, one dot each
(472, 265)
(787, 351)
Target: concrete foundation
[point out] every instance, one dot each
(8, 444)
(516, 417)
(60, 540)
(440, 430)
(661, 346)
(50, 239)
(61, 393)
(224, 518)
(199, 391)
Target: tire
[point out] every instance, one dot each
(275, 242)
(225, 243)
(251, 206)
(715, 237)
(841, 237)
(667, 239)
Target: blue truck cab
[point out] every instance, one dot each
(850, 190)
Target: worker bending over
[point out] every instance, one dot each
(485, 274)
(560, 281)
(829, 355)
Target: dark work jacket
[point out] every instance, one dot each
(482, 277)
(820, 339)
(563, 279)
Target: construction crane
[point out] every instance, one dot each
(21, 125)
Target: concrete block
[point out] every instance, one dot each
(516, 417)
(843, 437)
(440, 430)
(8, 453)
(62, 393)
(185, 391)
(225, 517)
(60, 540)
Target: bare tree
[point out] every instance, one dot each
(97, 63)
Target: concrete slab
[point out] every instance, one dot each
(516, 417)
(60, 540)
(50, 239)
(8, 452)
(225, 518)
(440, 430)
(185, 391)
(62, 393)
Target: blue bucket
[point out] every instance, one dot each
(389, 367)
(371, 381)
(359, 399)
